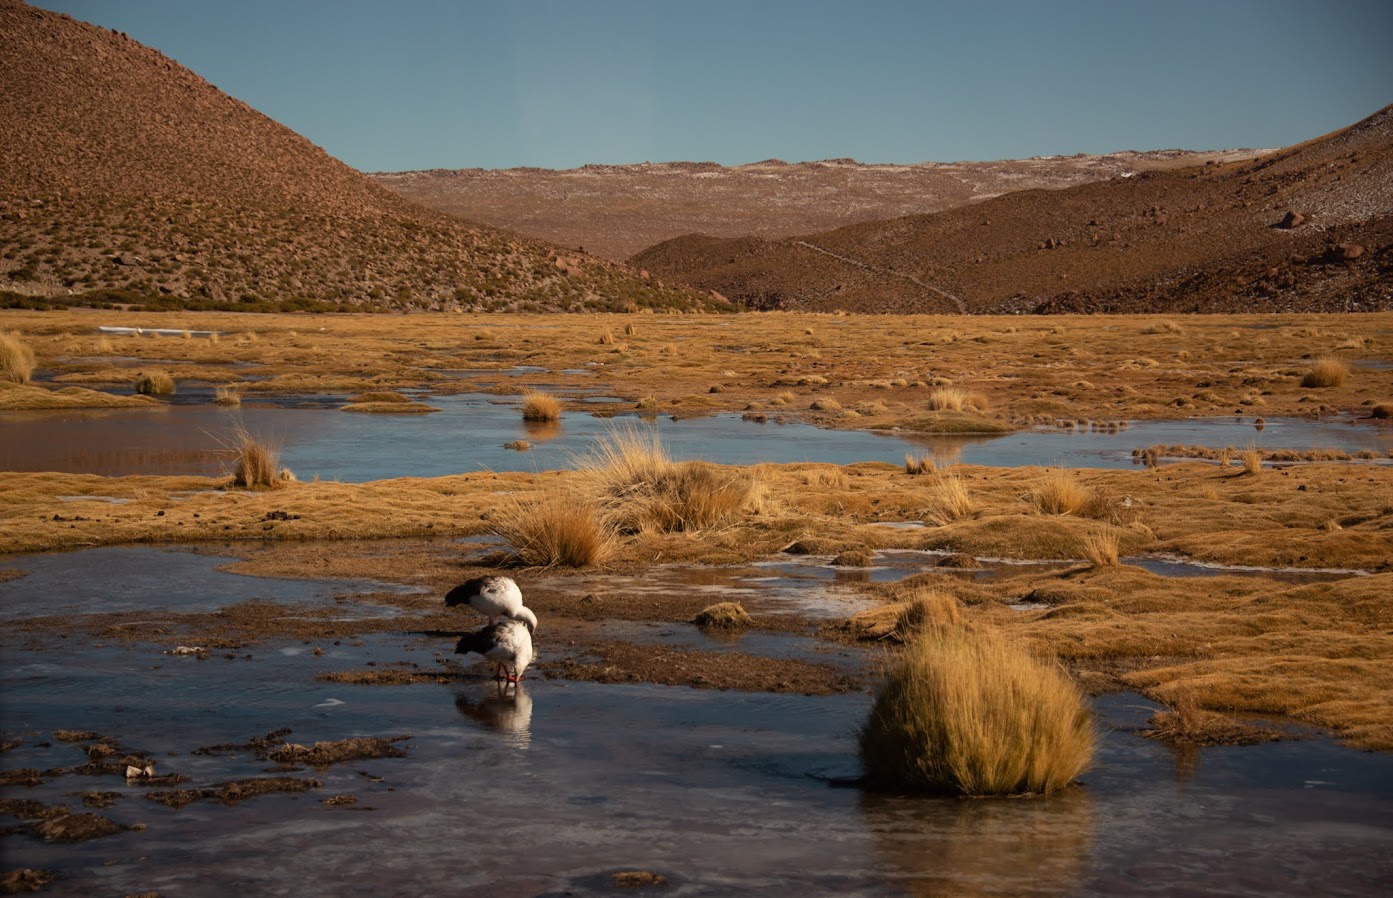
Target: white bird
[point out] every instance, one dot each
(494, 596)
(507, 643)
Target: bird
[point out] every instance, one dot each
(495, 596)
(507, 643)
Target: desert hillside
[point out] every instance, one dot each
(125, 175)
(615, 211)
(1308, 228)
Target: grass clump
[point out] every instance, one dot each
(641, 489)
(16, 359)
(954, 399)
(256, 464)
(226, 395)
(723, 616)
(1326, 373)
(555, 530)
(1059, 492)
(1101, 548)
(949, 500)
(1186, 723)
(539, 406)
(969, 713)
(920, 463)
(154, 383)
(1251, 457)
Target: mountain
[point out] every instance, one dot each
(1307, 228)
(614, 211)
(125, 176)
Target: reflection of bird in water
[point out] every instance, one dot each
(508, 712)
(494, 596)
(508, 644)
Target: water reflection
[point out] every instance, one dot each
(948, 847)
(499, 707)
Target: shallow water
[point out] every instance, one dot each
(470, 433)
(553, 790)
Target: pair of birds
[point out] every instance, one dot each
(506, 642)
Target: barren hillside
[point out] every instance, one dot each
(614, 211)
(123, 171)
(1306, 228)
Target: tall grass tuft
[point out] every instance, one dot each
(1326, 373)
(16, 359)
(956, 400)
(969, 713)
(538, 406)
(1251, 457)
(1101, 548)
(949, 500)
(920, 463)
(925, 607)
(154, 383)
(224, 394)
(256, 463)
(555, 529)
(641, 489)
(1059, 492)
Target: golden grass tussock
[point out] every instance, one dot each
(965, 712)
(539, 406)
(1061, 493)
(920, 463)
(723, 616)
(154, 383)
(955, 399)
(1186, 723)
(1326, 373)
(642, 489)
(16, 359)
(224, 394)
(256, 463)
(555, 529)
(1101, 547)
(1251, 459)
(949, 500)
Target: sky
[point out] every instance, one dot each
(419, 84)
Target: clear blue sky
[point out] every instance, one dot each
(412, 84)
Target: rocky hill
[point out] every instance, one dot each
(1309, 227)
(124, 175)
(614, 211)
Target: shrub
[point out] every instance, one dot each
(555, 529)
(538, 406)
(16, 359)
(1326, 373)
(1059, 492)
(154, 383)
(968, 713)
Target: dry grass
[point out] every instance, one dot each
(1101, 547)
(256, 463)
(954, 399)
(1326, 373)
(555, 530)
(226, 395)
(154, 383)
(949, 500)
(970, 713)
(920, 463)
(642, 490)
(538, 406)
(1060, 492)
(1187, 723)
(16, 359)
(1251, 458)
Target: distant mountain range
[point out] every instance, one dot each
(126, 177)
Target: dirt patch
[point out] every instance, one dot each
(77, 827)
(612, 661)
(325, 754)
(233, 792)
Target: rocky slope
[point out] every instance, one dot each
(123, 174)
(614, 211)
(1305, 228)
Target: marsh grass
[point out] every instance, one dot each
(949, 500)
(538, 406)
(920, 463)
(955, 399)
(256, 463)
(1326, 373)
(723, 616)
(964, 712)
(154, 383)
(1186, 723)
(641, 489)
(1061, 493)
(16, 359)
(555, 530)
(1251, 459)
(1101, 548)
(223, 394)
